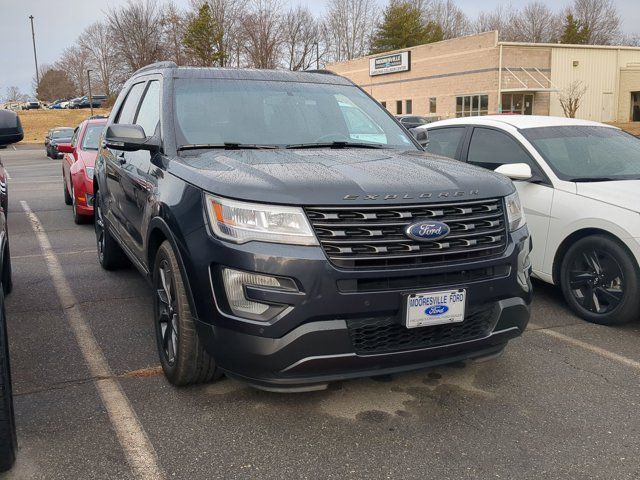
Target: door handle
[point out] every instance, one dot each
(121, 159)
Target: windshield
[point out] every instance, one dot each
(584, 153)
(218, 111)
(62, 133)
(92, 137)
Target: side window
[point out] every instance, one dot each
(445, 141)
(491, 148)
(74, 138)
(149, 113)
(130, 105)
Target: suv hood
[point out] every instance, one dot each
(337, 176)
(621, 193)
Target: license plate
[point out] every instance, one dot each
(435, 308)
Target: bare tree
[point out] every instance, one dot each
(452, 20)
(300, 32)
(349, 25)
(600, 17)
(97, 41)
(497, 19)
(570, 98)
(75, 60)
(261, 31)
(137, 32)
(536, 23)
(13, 94)
(174, 24)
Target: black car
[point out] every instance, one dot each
(413, 121)
(319, 245)
(54, 137)
(84, 102)
(10, 132)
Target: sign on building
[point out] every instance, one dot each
(392, 63)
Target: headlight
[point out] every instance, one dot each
(89, 171)
(241, 222)
(515, 212)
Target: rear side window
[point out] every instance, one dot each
(445, 141)
(491, 148)
(130, 105)
(149, 113)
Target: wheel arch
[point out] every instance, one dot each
(578, 235)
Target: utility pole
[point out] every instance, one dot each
(35, 56)
(90, 96)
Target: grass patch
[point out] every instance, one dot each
(36, 123)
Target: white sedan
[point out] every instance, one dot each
(579, 183)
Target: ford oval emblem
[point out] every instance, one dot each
(427, 231)
(436, 310)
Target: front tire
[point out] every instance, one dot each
(8, 441)
(77, 218)
(182, 355)
(110, 254)
(600, 281)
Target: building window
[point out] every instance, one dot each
(384, 104)
(470, 105)
(408, 106)
(432, 105)
(399, 107)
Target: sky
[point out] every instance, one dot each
(58, 23)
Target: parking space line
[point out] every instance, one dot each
(587, 346)
(139, 451)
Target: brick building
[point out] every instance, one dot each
(477, 74)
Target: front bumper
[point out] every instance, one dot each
(315, 339)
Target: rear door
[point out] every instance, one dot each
(490, 148)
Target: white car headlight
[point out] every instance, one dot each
(241, 222)
(515, 212)
(89, 171)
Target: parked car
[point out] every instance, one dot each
(31, 105)
(57, 104)
(579, 184)
(84, 102)
(10, 132)
(77, 168)
(54, 137)
(290, 255)
(413, 121)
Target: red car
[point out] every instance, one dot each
(77, 167)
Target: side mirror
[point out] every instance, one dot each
(421, 135)
(10, 127)
(515, 171)
(129, 138)
(65, 148)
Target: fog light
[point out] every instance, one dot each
(234, 283)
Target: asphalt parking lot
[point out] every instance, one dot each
(562, 402)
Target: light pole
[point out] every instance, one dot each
(90, 96)
(35, 56)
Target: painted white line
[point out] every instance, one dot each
(139, 451)
(629, 362)
(14, 148)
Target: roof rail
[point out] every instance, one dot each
(157, 65)
(322, 71)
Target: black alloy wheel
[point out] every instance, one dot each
(167, 314)
(599, 279)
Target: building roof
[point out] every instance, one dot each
(521, 122)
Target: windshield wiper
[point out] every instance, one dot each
(227, 146)
(592, 179)
(335, 145)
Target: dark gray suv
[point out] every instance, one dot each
(295, 234)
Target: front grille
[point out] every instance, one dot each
(412, 282)
(374, 236)
(385, 335)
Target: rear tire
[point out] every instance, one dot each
(600, 281)
(67, 197)
(110, 254)
(7, 273)
(182, 355)
(8, 441)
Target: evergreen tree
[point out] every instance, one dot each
(402, 27)
(202, 35)
(574, 32)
